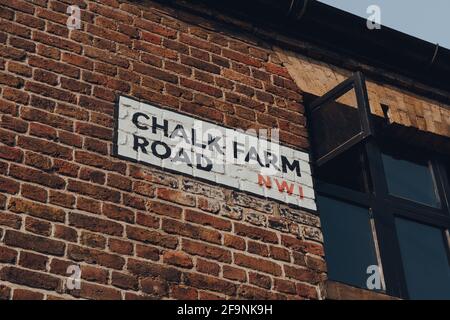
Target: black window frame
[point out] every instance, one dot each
(385, 207)
(356, 82)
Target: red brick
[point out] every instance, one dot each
(36, 176)
(255, 233)
(23, 294)
(34, 243)
(95, 224)
(147, 252)
(40, 227)
(301, 274)
(12, 154)
(118, 213)
(34, 193)
(260, 280)
(178, 258)
(8, 255)
(120, 182)
(94, 256)
(98, 292)
(206, 251)
(92, 240)
(201, 87)
(210, 283)
(97, 161)
(176, 197)
(65, 168)
(61, 199)
(96, 192)
(66, 233)
(120, 246)
(208, 220)
(285, 286)
(16, 95)
(257, 264)
(235, 274)
(302, 246)
(164, 209)
(33, 261)
(184, 293)
(124, 281)
(77, 60)
(56, 42)
(152, 237)
(234, 242)
(10, 220)
(36, 209)
(94, 274)
(14, 124)
(45, 147)
(148, 269)
(191, 231)
(306, 291)
(208, 267)
(30, 278)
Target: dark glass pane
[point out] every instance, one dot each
(425, 260)
(333, 123)
(410, 179)
(348, 170)
(348, 241)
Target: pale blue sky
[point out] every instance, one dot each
(428, 20)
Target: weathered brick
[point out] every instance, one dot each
(43, 228)
(148, 269)
(207, 220)
(210, 283)
(94, 256)
(178, 258)
(206, 250)
(96, 192)
(257, 264)
(152, 237)
(191, 231)
(255, 233)
(34, 243)
(36, 209)
(176, 197)
(95, 224)
(30, 278)
(33, 261)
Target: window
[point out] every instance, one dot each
(425, 260)
(382, 203)
(410, 179)
(348, 231)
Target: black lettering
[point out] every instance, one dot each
(212, 143)
(182, 156)
(236, 150)
(253, 155)
(199, 162)
(140, 142)
(295, 165)
(179, 132)
(164, 126)
(194, 140)
(167, 152)
(136, 120)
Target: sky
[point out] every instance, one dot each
(425, 19)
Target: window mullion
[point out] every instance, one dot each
(385, 226)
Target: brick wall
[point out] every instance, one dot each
(137, 231)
